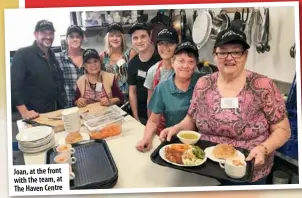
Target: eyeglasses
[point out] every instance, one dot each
(235, 54)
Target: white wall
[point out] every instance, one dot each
(277, 64)
(20, 25)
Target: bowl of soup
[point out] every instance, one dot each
(188, 137)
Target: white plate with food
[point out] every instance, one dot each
(221, 152)
(183, 155)
(74, 137)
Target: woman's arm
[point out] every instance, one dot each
(150, 92)
(280, 134)
(117, 95)
(151, 126)
(274, 110)
(186, 124)
(77, 96)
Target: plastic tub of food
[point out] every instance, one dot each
(105, 126)
(93, 115)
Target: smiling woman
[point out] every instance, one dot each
(238, 107)
(116, 56)
(171, 98)
(96, 85)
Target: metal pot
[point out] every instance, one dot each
(220, 23)
(179, 22)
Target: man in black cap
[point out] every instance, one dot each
(71, 62)
(37, 84)
(138, 67)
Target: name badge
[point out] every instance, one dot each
(121, 62)
(141, 73)
(98, 86)
(229, 103)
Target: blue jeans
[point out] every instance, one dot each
(261, 181)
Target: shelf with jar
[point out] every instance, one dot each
(100, 20)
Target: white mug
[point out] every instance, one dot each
(234, 167)
(65, 148)
(64, 158)
(71, 174)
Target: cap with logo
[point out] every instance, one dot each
(139, 26)
(75, 29)
(90, 53)
(187, 46)
(115, 27)
(231, 35)
(44, 25)
(167, 34)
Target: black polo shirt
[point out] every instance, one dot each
(36, 81)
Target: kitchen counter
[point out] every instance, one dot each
(136, 170)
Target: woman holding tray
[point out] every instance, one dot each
(236, 106)
(96, 85)
(171, 98)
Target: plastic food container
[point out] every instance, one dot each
(90, 116)
(105, 126)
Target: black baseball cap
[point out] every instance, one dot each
(231, 35)
(90, 53)
(139, 26)
(114, 27)
(75, 29)
(187, 46)
(167, 34)
(44, 25)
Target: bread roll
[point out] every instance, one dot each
(224, 151)
(73, 137)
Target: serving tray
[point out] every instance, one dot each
(209, 168)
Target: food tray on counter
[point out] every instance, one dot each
(209, 168)
(94, 167)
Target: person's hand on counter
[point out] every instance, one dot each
(105, 102)
(26, 114)
(144, 145)
(81, 102)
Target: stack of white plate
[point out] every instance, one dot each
(36, 139)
